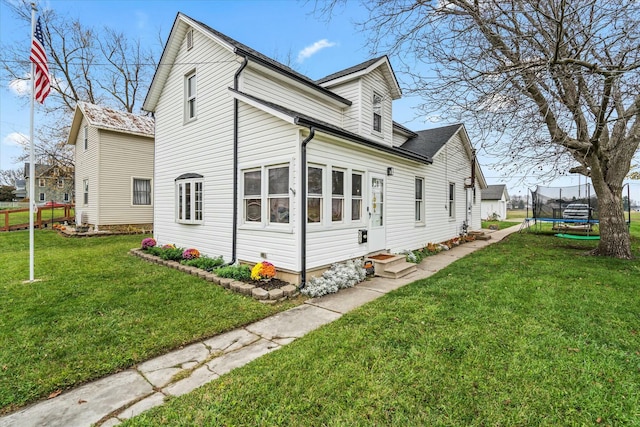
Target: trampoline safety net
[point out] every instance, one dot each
(578, 201)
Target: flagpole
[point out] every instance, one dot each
(32, 166)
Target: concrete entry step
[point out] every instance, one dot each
(480, 235)
(391, 266)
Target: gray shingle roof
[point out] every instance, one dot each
(493, 192)
(350, 70)
(429, 141)
(305, 120)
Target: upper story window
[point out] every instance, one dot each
(314, 194)
(189, 199)
(190, 39)
(419, 199)
(85, 137)
(42, 182)
(377, 112)
(190, 96)
(452, 200)
(60, 183)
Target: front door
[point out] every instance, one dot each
(375, 209)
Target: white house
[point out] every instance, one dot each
(113, 167)
(494, 201)
(255, 161)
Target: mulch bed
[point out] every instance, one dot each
(271, 284)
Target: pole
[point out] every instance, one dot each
(32, 166)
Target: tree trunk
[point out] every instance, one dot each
(615, 240)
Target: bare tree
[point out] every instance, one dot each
(8, 177)
(96, 66)
(544, 83)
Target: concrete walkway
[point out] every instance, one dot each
(108, 401)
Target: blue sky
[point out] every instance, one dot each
(276, 28)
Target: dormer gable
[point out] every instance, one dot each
(360, 70)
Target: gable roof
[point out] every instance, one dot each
(495, 192)
(365, 68)
(429, 141)
(40, 169)
(109, 119)
(171, 49)
(301, 119)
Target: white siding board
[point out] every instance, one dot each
(87, 167)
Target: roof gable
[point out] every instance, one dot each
(495, 192)
(180, 26)
(357, 71)
(109, 119)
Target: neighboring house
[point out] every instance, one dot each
(53, 183)
(114, 167)
(256, 161)
(494, 201)
(21, 189)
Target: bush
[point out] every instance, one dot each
(204, 262)
(172, 254)
(339, 276)
(236, 272)
(416, 256)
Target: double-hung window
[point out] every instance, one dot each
(278, 194)
(356, 196)
(42, 182)
(85, 137)
(337, 195)
(419, 199)
(190, 96)
(452, 200)
(42, 199)
(377, 112)
(85, 191)
(60, 182)
(141, 192)
(253, 196)
(189, 199)
(314, 194)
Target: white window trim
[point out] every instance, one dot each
(352, 197)
(253, 196)
(42, 182)
(141, 178)
(380, 112)
(42, 197)
(337, 196)
(188, 97)
(180, 186)
(265, 223)
(60, 182)
(421, 209)
(85, 192)
(321, 196)
(85, 137)
(451, 200)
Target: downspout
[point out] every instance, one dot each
(234, 232)
(303, 207)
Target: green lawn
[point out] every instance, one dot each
(499, 224)
(527, 332)
(98, 310)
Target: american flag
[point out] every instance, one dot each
(39, 59)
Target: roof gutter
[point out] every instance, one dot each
(234, 232)
(303, 207)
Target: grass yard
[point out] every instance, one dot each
(529, 331)
(98, 310)
(500, 224)
(16, 218)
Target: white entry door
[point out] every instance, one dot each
(375, 210)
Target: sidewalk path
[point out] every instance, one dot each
(108, 401)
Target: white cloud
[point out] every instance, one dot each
(308, 51)
(21, 87)
(16, 139)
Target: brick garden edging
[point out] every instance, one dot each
(268, 297)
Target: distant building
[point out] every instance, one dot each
(53, 183)
(494, 201)
(21, 189)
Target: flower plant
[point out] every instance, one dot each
(191, 253)
(263, 271)
(148, 242)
